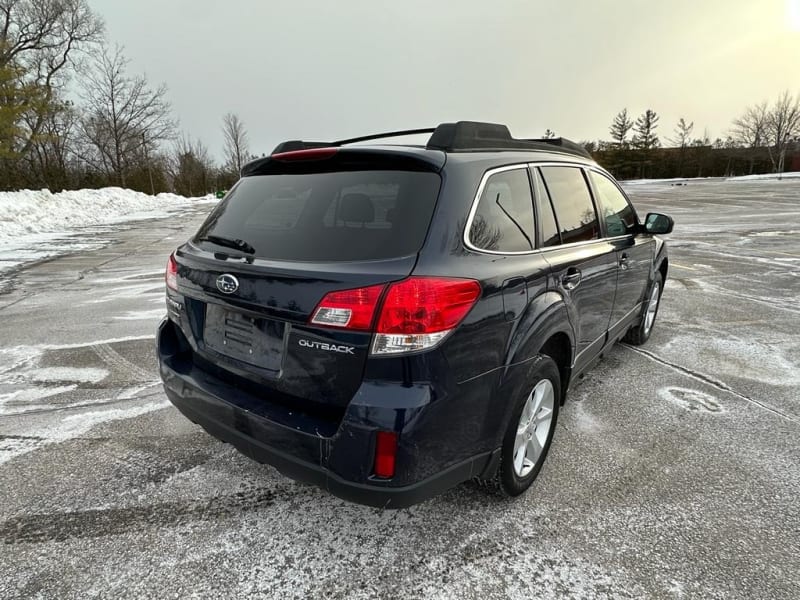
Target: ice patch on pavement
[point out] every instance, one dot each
(775, 233)
(142, 315)
(693, 400)
(70, 427)
(733, 357)
(26, 384)
(50, 374)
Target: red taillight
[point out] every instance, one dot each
(385, 453)
(426, 304)
(416, 313)
(348, 309)
(310, 154)
(171, 276)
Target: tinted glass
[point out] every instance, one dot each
(614, 206)
(547, 221)
(340, 216)
(503, 220)
(572, 202)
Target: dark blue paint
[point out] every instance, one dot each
(314, 417)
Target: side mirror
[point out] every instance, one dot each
(657, 223)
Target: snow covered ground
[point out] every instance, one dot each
(39, 224)
(689, 180)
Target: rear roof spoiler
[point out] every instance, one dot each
(463, 136)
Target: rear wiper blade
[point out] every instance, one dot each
(240, 245)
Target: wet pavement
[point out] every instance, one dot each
(674, 473)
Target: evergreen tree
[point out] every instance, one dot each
(620, 128)
(645, 136)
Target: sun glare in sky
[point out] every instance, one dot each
(793, 14)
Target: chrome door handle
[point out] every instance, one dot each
(623, 261)
(571, 279)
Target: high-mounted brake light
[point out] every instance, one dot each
(348, 309)
(385, 454)
(310, 154)
(415, 314)
(171, 275)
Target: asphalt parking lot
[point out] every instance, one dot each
(675, 470)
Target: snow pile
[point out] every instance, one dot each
(32, 212)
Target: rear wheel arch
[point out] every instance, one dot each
(559, 347)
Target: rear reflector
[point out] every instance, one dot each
(171, 276)
(310, 154)
(349, 309)
(385, 454)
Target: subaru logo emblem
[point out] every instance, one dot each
(227, 284)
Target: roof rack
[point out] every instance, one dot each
(466, 136)
(462, 136)
(293, 145)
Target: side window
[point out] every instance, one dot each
(503, 220)
(572, 203)
(547, 221)
(617, 212)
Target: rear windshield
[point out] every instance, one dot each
(340, 216)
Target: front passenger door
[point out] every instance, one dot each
(583, 264)
(634, 252)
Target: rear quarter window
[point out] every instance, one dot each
(503, 219)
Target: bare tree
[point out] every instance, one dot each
(39, 39)
(620, 128)
(549, 134)
(237, 150)
(124, 117)
(783, 125)
(191, 167)
(53, 151)
(750, 130)
(683, 131)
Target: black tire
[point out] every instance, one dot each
(507, 481)
(640, 333)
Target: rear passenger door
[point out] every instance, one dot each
(583, 264)
(635, 252)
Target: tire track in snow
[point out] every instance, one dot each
(114, 359)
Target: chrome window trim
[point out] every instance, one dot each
(534, 190)
(474, 209)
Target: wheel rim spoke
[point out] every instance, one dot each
(519, 459)
(544, 414)
(533, 427)
(652, 307)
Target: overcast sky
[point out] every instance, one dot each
(327, 70)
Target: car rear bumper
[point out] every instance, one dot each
(302, 455)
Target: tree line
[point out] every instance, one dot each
(763, 139)
(72, 114)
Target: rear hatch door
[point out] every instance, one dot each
(287, 235)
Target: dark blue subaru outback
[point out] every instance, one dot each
(387, 321)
